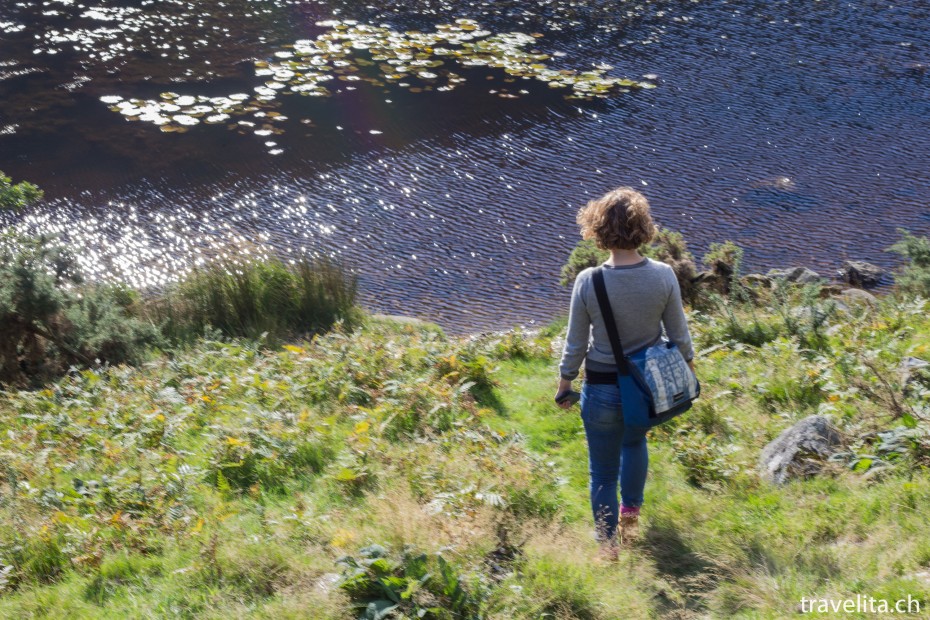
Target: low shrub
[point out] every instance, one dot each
(50, 320)
(584, 255)
(804, 315)
(705, 458)
(18, 196)
(914, 276)
(259, 299)
(671, 248)
(724, 258)
(740, 322)
(409, 584)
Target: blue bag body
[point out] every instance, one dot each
(658, 386)
(655, 382)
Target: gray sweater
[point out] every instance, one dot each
(644, 297)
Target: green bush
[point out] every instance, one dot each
(705, 458)
(724, 258)
(740, 322)
(585, 254)
(409, 585)
(668, 247)
(271, 461)
(50, 320)
(19, 196)
(914, 277)
(259, 299)
(671, 248)
(804, 314)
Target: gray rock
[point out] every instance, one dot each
(800, 275)
(799, 450)
(861, 274)
(712, 281)
(910, 365)
(757, 280)
(852, 296)
(829, 290)
(806, 276)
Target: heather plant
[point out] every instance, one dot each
(51, 320)
(724, 259)
(668, 247)
(671, 248)
(17, 196)
(259, 299)
(584, 255)
(914, 276)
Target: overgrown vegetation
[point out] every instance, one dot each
(17, 196)
(392, 472)
(584, 255)
(259, 299)
(914, 278)
(49, 321)
(52, 320)
(671, 248)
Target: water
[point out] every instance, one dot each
(800, 130)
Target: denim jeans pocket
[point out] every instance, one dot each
(600, 405)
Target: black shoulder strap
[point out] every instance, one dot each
(607, 312)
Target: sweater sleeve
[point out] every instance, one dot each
(579, 334)
(674, 321)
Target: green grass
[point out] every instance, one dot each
(265, 299)
(230, 480)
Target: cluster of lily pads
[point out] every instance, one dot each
(351, 52)
(176, 113)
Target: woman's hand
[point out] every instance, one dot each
(564, 386)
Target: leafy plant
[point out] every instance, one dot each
(49, 320)
(804, 314)
(410, 584)
(584, 255)
(259, 299)
(18, 196)
(705, 458)
(671, 248)
(724, 258)
(914, 277)
(741, 322)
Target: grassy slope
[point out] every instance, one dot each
(228, 481)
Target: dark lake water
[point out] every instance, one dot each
(798, 129)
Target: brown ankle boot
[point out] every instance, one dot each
(629, 527)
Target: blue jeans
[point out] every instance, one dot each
(614, 454)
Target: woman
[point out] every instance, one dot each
(645, 297)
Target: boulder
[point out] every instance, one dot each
(830, 290)
(784, 184)
(851, 296)
(909, 367)
(799, 450)
(712, 281)
(757, 280)
(861, 274)
(800, 275)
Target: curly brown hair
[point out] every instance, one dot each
(618, 220)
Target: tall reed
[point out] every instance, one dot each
(259, 298)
